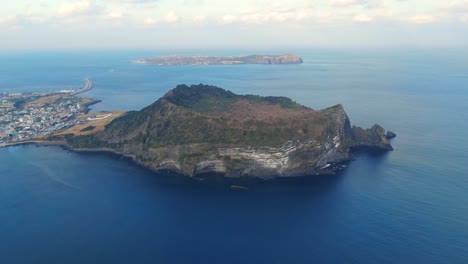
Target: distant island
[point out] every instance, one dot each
(221, 60)
(202, 130)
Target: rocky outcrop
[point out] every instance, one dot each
(373, 138)
(202, 130)
(390, 135)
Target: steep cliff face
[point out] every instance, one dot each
(201, 129)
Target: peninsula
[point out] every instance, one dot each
(222, 60)
(28, 116)
(203, 130)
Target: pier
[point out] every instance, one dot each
(88, 86)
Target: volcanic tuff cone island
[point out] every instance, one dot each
(201, 130)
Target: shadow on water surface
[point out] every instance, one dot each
(216, 183)
(375, 158)
(213, 182)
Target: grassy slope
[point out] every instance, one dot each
(207, 114)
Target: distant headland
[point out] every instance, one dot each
(176, 60)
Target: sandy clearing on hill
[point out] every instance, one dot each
(99, 125)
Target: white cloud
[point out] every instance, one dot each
(288, 16)
(114, 15)
(376, 15)
(349, 3)
(271, 13)
(363, 18)
(199, 19)
(342, 3)
(309, 4)
(228, 19)
(280, 7)
(320, 22)
(76, 8)
(171, 17)
(458, 10)
(323, 17)
(134, 1)
(20, 21)
(8, 21)
(149, 21)
(464, 18)
(422, 19)
(267, 16)
(457, 6)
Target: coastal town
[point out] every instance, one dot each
(28, 116)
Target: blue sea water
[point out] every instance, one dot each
(407, 206)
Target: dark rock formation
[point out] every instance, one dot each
(373, 138)
(390, 135)
(202, 130)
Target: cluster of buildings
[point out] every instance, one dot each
(22, 121)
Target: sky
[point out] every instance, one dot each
(115, 24)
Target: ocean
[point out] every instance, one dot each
(406, 206)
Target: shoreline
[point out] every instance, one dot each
(338, 166)
(210, 179)
(63, 144)
(93, 102)
(33, 142)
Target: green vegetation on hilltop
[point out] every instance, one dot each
(202, 98)
(206, 98)
(284, 102)
(208, 114)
